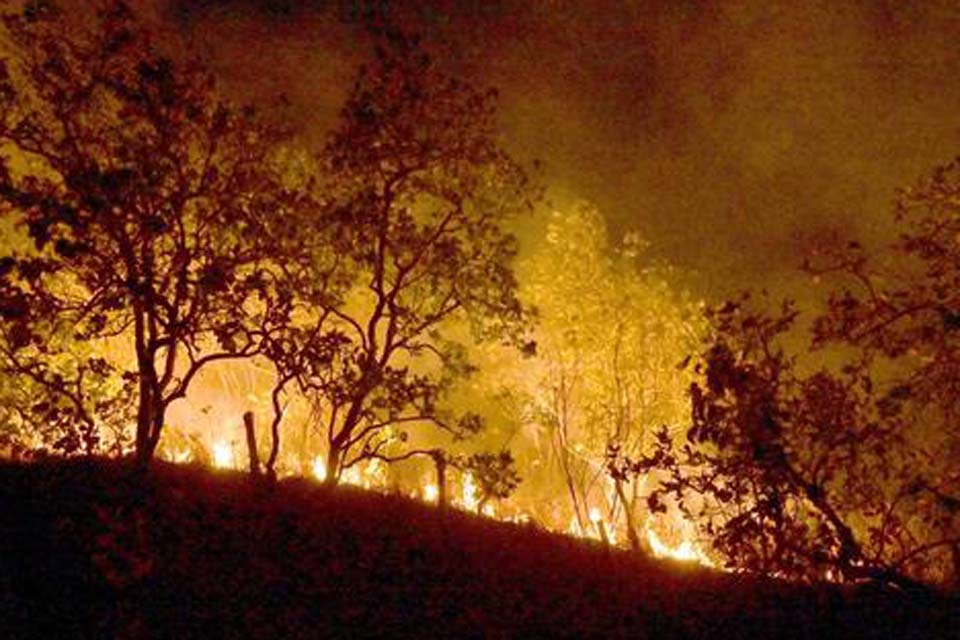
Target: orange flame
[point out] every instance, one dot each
(686, 551)
(222, 455)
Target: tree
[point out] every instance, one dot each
(149, 200)
(495, 475)
(610, 336)
(849, 471)
(417, 193)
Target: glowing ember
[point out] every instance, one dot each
(686, 551)
(368, 475)
(222, 455)
(352, 476)
(469, 495)
(319, 468)
(372, 474)
(177, 456)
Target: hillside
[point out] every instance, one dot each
(88, 550)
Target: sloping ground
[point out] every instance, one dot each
(88, 550)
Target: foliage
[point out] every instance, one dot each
(417, 192)
(495, 474)
(848, 473)
(150, 203)
(62, 403)
(610, 336)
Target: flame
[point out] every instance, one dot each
(686, 551)
(369, 475)
(222, 455)
(351, 476)
(372, 475)
(177, 456)
(469, 493)
(319, 468)
(597, 529)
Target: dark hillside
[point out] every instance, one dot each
(87, 550)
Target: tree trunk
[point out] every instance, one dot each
(274, 449)
(602, 530)
(142, 441)
(441, 462)
(149, 425)
(254, 459)
(333, 465)
(627, 516)
(150, 407)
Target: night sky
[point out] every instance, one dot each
(734, 135)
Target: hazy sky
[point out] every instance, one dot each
(730, 133)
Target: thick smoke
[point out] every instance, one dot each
(733, 134)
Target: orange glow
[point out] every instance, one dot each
(369, 475)
(686, 551)
(181, 456)
(319, 468)
(372, 475)
(223, 455)
(469, 494)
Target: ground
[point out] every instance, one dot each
(91, 549)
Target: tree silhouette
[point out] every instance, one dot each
(417, 192)
(495, 475)
(848, 471)
(150, 203)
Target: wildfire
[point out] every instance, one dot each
(469, 493)
(369, 475)
(595, 529)
(686, 551)
(373, 475)
(319, 468)
(223, 455)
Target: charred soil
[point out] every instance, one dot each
(91, 549)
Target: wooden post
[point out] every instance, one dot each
(251, 443)
(441, 462)
(602, 530)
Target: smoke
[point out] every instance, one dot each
(733, 135)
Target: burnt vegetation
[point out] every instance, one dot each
(154, 230)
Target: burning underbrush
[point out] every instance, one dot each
(92, 550)
(669, 535)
